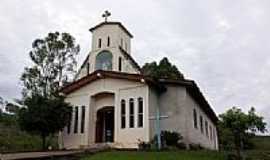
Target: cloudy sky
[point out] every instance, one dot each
(222, 44)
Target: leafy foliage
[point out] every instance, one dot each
(171, 138)
(168, 138)
(54, 64)
(162, 70)
(44, 116)
(236, 128)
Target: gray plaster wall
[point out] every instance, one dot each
(194, 134)
(176, 111)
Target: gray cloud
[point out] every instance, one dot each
(223, 45)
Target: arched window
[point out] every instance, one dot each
(140, 112)
(195, 122)
(104, 61)
(131, 113)
(123, 113)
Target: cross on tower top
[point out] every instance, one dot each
(106, 14)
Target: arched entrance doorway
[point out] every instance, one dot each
(105, 125)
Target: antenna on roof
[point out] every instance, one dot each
(105, 15)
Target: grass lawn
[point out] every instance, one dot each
(171, 155)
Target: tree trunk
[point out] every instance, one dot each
(237, 142)
(43, 137)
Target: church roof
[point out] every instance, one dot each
(128, 56)
(190, 85)
(111, 23)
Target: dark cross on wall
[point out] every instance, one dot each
(105, 15)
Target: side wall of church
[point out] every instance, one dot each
(176, 111)
(173, 110)
(195, 135)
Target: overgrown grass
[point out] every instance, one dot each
(12, 139)
(169, 155)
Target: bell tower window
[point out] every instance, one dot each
(120, 64)
(99, 43)
(108, 41)
(104, 61)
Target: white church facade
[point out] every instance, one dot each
(115, 104)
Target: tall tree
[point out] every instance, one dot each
(236, 127)
(54, 65)
(54, 59)
(162, 70)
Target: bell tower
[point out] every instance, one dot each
(110, 34)
(111, 49)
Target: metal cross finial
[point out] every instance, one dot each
(106, 14)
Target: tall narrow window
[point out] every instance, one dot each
(108, 41)
(214, 137)
(123, 113)
(120, 63)
(76, 120)
(195, 122)
(83, 119)
(126, 46)
(99, 43)
(140, 112)
(69, 123)
(131, 113)
(201, 123)
(206, 128)
(211, 132)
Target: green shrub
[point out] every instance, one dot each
(144, 146)
(195, 147)
(181, 146)
(171, 138)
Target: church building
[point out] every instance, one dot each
(115, 104)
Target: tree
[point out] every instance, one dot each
(44, 116)
(54, 65)
(162, 70)
(54, 59)
(236, 127)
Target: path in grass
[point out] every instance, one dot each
(179, 155)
